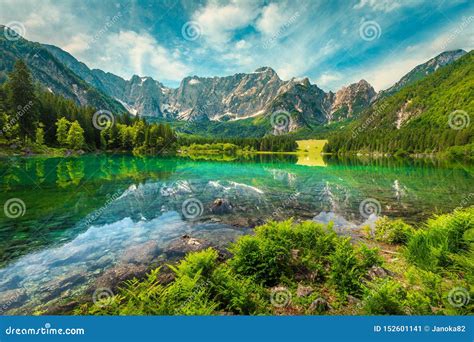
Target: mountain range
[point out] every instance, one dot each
(228, 98)
(202, 99)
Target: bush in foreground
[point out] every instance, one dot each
(312, 268)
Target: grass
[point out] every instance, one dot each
(421, 271)
(311, 146)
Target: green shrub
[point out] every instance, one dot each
(237, 294)
(203, 263)
(369, 256)
(345, 269)
(384, 297)
(417, 303)
(445, 241)
(392, 231)
(268, 256)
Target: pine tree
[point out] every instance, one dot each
(22, 99)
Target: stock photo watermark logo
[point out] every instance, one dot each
(103, 119)
(109, 22)
(14, 30)
(370, 206)
(466, 21)
(191, 30)
(281, 121)
(94, 216)
(14, 208)
(280, 297)
(192, 208)
(14, 120)
(281, 31)
(103, 297)
(46, 330)
(370, 30)
(366, 124)
(458, 120)
(459, 297)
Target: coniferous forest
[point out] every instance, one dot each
(34, 117)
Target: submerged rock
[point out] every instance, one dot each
(141, 254)
(221, 206)
(186, 244)
(54, 288)
(11, 299)
(112, 277)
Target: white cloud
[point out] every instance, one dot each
(218, 22)
(379, 5)
(272, 19)
(140, 53)
(77, 44)
(327, 79)
(390, 69)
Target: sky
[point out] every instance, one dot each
(333, 43)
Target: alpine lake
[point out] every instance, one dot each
(76, 224)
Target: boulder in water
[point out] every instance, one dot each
(221, 206)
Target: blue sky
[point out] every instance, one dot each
(334, 43)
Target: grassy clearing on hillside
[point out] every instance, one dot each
(305, 268)
(311, 146)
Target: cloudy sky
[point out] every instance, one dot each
(334, 43)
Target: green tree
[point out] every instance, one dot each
(23, 99)
(62, 130)
(75, 136)
(40, 136)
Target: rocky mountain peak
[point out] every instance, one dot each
(265, 70)
(351, 99)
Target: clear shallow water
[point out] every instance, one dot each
(86, 215)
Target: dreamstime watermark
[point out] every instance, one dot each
(459, 297)
(280, 297)
(46, 330)
(195, 293)
(103, 119)
(369, 120)
(191, 30)
(94, 216)
(459, 119)
(281, 31)
(370, 30)
(22, 110)
(103, 297)
(9, 303)
(14, 208)
(466, 201)
(286, 202)
(457, 31)
(14, 30)
(192, 208)
(105, 28)
(281, 121)
(370, 206)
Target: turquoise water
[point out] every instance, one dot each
(79, 217)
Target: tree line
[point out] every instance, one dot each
(31, 116)
(271, 143)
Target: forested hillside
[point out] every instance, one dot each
(33, 118)
(431, 115)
